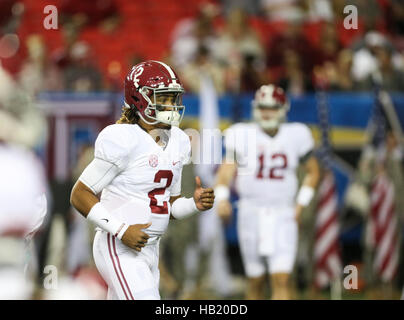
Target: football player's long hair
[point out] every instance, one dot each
(128, 116)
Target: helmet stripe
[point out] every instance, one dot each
(170, 71)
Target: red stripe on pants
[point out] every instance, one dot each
(119, 266)
(116, 271)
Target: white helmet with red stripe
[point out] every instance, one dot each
(274, 98)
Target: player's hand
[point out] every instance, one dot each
(224, 210)
(203, 197)
(134, 237)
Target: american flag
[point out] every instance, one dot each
(383, 232)
(326, 247)
(383, 228)
(327, 259)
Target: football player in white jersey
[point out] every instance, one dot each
(22, 211)
(267, 153)
(137, 170)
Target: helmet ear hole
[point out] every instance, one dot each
(135, 98)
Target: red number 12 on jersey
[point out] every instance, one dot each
(273, 171)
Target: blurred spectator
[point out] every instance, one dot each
(21, 121)
(192, 33)
(37, 73)
(253, 74)
(6, 7)
(292, 39)
(294, 81)
(203, 64)
(338, 9)
(236, 42)
(369, 12)
(11, 12)
(81, 75)
(392, 79)
(365, 61)
(237, 39)
(102, 13)
(251, 7)
(60, 58)
(318, 10)
(341, 79)
(395, 17)
(329, 44)
(337, 75)
(282, 10)
(11, 15)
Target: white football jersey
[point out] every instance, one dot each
(22, 191)
(267, 165)
(149, 175)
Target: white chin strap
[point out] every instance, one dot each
(169, 117)
(172, 118)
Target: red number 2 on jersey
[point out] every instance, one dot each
(273, 171)
(161, 174)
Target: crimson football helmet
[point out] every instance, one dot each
(271, 97)
(149, 79)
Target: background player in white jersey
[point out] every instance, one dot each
(267, 153)
(23, 203)
(22, 211)
(137, 169)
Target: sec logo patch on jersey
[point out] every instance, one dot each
(153, 161)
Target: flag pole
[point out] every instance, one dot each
(336, 289)
(373, 131)
(391, 115)
(327, 159)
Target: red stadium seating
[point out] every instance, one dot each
(146, 27)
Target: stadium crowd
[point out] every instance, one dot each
(242, 44)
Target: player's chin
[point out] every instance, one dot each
(164, 126)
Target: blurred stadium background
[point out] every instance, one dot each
(61, 87)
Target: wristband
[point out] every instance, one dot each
(183, 207)
(122, 229)
(222, 192)
(106, 221)
(305, 195)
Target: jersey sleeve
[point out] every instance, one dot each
(304, 140)
(114, 144)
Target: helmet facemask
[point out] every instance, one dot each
(274, 121)
(158, 111)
